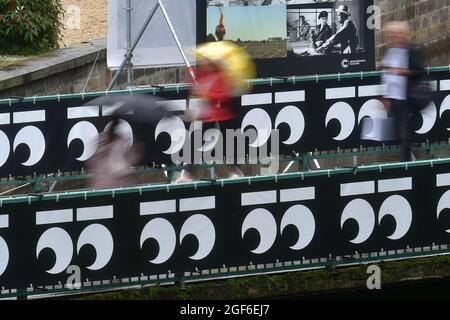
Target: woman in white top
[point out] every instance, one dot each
(402, 68)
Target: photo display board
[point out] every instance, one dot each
(284, 38)
(296, 37)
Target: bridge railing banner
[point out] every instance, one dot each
(47, 134)
(146, 232)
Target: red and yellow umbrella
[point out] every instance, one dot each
(233, 60)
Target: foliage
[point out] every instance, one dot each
(297, 284)
(6, 61)
(30, 26)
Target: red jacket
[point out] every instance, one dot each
(214, 88)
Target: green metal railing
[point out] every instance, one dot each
(180, 280)
(302, 159)
(184, 86)
(230, 271)
(32, 198)
(36, 182)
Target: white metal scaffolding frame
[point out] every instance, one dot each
(131, 45)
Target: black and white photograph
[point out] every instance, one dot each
(334, 28)
(227, 3)
(245, 3)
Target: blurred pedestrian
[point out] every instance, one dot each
(223, 69)
(111, 163)
(402, 67)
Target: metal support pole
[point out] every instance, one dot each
(305, 162)
(289, 166)
(36, 185)
(355, 158)
(186, 61)
(212, 173)
(432, 152)
(53, 186)
(129, 53)
(180, 281)
(316, 163)
(22, 294)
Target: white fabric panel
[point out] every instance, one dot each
(157, 47)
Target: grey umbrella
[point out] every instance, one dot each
(143, 112)
(139, 108)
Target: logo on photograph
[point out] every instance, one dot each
(345, 63)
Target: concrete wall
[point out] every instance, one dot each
(74, 80)
(68, 70)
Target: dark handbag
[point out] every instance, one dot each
(420, 96)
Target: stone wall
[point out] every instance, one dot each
(75, 80)
(430, 21)
(74, 70)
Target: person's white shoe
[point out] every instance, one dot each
(183, 177)
(236, 173)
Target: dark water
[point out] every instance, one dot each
(427, 289)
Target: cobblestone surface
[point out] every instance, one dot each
(84, 20)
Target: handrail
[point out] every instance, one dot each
(220, 182)
(34, 181)
(186, 86)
